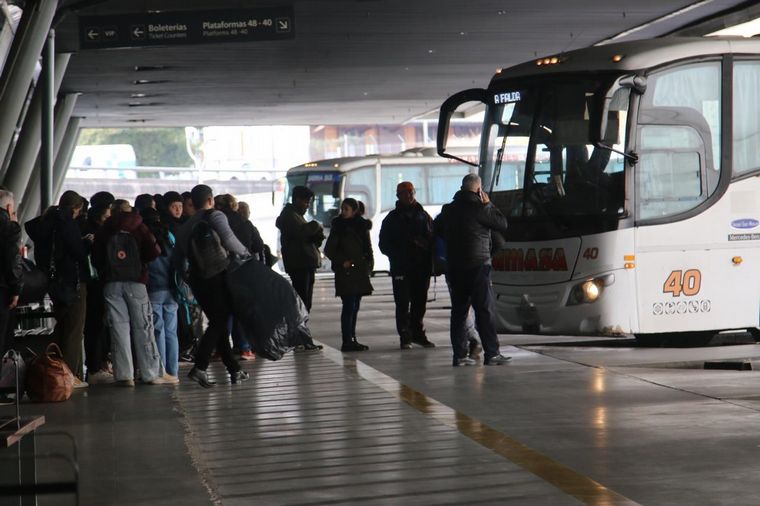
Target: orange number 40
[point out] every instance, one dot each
(683, 282)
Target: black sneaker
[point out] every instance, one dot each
(239, 377)
(497, 360)
(423, 341)
(459, 362)
(406, 345)
(312, 347)
(474, 350)
(201, 377)
(354, 346)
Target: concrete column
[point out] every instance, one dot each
(63, 156)
(47, 142)
(18, 71)
(28, 147)
(32, 199)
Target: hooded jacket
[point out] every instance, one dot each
(406, 238)
(58, 225)
(132, 223)
(10, 255)
(465, 225)
(299, 239)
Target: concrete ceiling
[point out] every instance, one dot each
(351, 61)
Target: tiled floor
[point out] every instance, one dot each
(559, 425)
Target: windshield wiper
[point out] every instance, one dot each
(631, 157)
(499, 158)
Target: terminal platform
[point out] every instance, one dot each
(602, 422)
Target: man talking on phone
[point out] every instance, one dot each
(466, 225)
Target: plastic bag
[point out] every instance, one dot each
(268, 307)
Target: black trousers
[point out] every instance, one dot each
(214, 298)
(472, 287)
(96, 338)
(303, 283)
(410, 293)
(7, 321)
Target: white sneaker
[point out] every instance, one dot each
(100, 378)
(166, 379)
(79, 383)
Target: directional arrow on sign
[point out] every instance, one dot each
(93, 34)
(138, 32)
(283, 25)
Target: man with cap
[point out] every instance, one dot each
(406, 238)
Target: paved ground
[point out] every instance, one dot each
(560, 425)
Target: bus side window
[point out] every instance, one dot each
(679, 138)
(670, 171)
(360, 184)
(392, 175)
(746, 155)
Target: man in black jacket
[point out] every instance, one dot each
(300, 241)
(466, 224)
(406, 238)
(61, 251)
(10, 267)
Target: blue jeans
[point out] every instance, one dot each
(128, 314)
(165, 326)
(239, 336)
(348, 316)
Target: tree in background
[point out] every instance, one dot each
(154, 147)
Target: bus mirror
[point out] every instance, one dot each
(614, 101)
(453, 107)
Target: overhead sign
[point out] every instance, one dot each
(186, 27)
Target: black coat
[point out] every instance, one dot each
(349, 241)
(71, 251)
(245, 231)
(466, 225)
(406, 238)
(299, 240)
(10, 255)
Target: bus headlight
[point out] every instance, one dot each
(590, 290)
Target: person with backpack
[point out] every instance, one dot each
(123, 247)
(206, 242)
(161, 287)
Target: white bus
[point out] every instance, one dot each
(372, 179)
(630, 176)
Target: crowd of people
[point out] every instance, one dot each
(134, 286)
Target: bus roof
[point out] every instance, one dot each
(636, 55)
(351, 162)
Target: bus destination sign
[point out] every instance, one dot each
(186, 27)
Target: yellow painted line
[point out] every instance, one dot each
(567, 480)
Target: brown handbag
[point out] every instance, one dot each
(48, 378)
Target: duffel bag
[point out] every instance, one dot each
(48, 378)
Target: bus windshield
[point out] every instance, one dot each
(326, 188)
(540, 164)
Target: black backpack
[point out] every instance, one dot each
(123, 261)
(207, 255)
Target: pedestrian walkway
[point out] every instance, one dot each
(402, 427)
